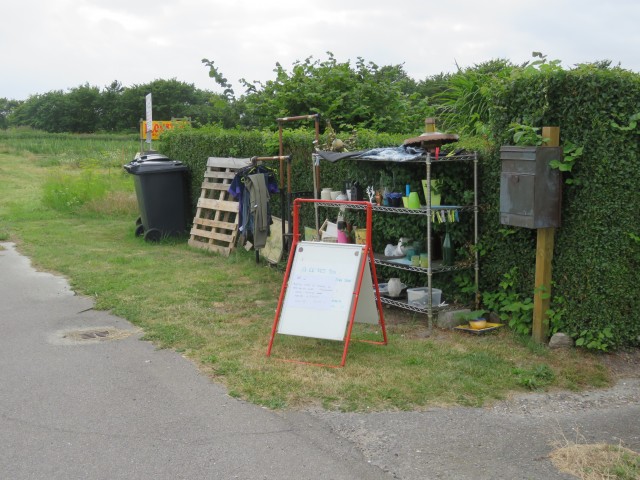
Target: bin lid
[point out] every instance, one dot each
(153, 163)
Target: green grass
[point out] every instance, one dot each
(52, 149)
(219, 311)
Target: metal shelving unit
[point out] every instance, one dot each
(434, 267)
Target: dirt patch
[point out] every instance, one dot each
(623, 363)
(89, 335)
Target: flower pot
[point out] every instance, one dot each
(478, 323)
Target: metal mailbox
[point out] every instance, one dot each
(530, 190)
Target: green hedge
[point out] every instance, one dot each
(193, 147)
(596, 264)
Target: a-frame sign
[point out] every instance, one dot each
(327, 287)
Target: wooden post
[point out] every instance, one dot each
(544, 257)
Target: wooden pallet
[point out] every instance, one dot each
(215, 226)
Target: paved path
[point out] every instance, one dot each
(76, 406)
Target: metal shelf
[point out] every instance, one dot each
(423, 210)
(405, 305)
(349, 205)
(428, 158)
(467, 157)
(436, 268)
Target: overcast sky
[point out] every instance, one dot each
(50, 45)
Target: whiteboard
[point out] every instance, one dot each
(320, 290)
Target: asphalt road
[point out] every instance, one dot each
(82, 397)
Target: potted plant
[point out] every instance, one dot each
(435, 191)
(475, 318)
(349, 218)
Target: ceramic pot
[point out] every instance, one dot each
(395, 287)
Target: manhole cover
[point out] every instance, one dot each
(100, 334)
(93, 335)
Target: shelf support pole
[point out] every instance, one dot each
(475, 229)
(429, 253)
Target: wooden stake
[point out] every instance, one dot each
(544, 257)
(541, 299)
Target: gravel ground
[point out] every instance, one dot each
(624, 393)
(510, 439)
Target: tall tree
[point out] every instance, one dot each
(83, 106)
(46, 112)
(364, 95)
(111, 112)
(7, 107)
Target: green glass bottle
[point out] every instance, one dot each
(447, 250)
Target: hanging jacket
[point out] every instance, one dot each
(241, 188)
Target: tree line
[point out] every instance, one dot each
(359, 95)
(114, 108)
(351, 95)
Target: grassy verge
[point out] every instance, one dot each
(219, 311)
(597, 461)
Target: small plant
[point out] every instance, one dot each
(600, 340)
(571, 153)
(542, 64)
(595, 340)
(526, 135)
(536, 378)
(556, 312)
(510, 306)
(464, 282)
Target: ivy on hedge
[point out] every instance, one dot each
(596, 264)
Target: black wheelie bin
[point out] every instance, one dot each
(163, 196)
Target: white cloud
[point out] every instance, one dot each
(47, 46)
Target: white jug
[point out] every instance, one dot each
(395, 287)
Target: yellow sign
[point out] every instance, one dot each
(159, 127)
